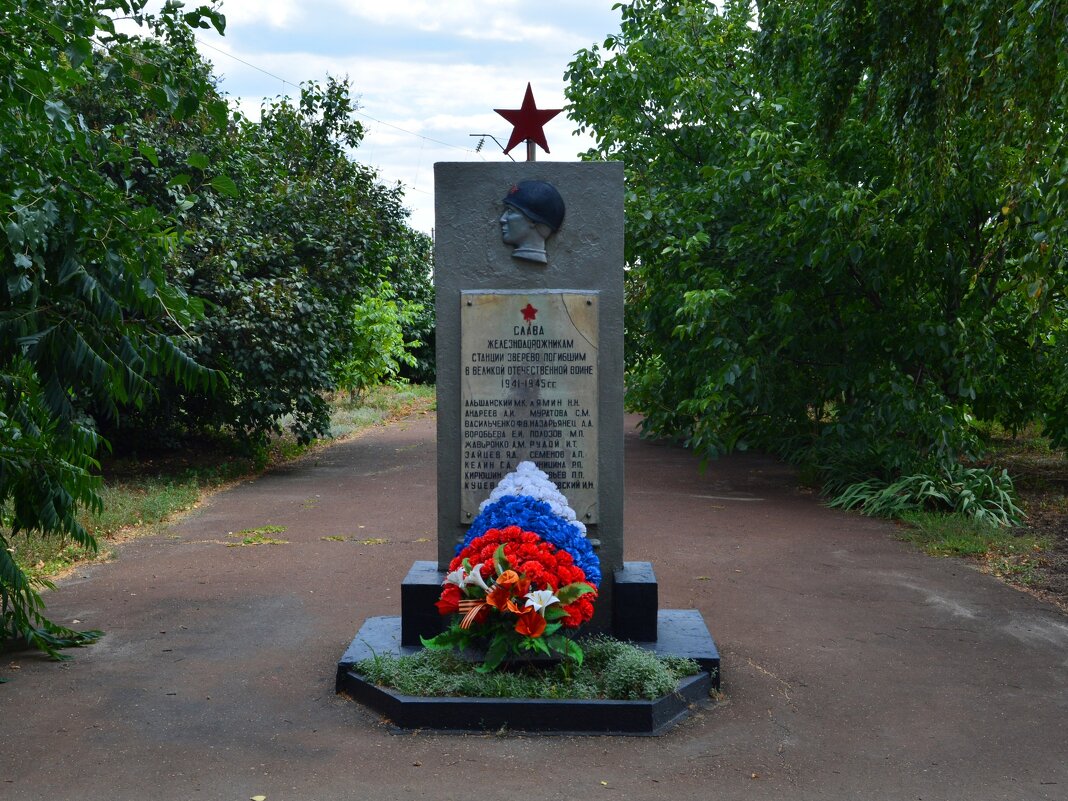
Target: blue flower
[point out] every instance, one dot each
(530, 514)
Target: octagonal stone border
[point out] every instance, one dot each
(682, 633)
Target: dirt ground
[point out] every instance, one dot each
(1047, 517)
(854, 666)
(1041, 479)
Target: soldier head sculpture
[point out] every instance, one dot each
(533, 212)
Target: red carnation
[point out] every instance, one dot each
(449, 603)
(541, 564)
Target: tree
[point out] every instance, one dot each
(377, 348)
(283, 263)
(282, 233)
(86, 308)
(846, 228)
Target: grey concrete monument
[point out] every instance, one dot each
(528, 271)
(530, 344)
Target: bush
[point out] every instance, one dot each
(985, 494)
(376, 347)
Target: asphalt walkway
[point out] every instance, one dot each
(854, 667)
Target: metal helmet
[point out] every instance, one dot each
(538, 201)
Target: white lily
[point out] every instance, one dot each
(455, 577)
(540, 599)
(475, 577)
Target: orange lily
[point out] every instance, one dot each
(507, 578)
(499, 597)
(530, 623)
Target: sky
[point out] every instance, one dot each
(426, 73)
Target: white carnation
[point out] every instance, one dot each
(528, 480)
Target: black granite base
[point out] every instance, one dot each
(682, 632)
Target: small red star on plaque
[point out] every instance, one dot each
(529, 313)
(528, 121)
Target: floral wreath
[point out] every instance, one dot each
(523, 576)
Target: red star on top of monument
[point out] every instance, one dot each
(529, 313)
(528, 121)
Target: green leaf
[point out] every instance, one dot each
(149, 153)
(18, 284)
(440, 642)
(226, 185)
(495, 654)
(220, 112)
(57, 111)
(500, 561)
(574, 651)
(79, 51)
(187, 107)
(198, 161)
(570, 593)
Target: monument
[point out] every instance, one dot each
(532, 368)
(528, 275)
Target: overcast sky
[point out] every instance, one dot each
(429, 72)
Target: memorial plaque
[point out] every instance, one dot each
(529, 391)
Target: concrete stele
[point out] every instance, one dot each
(585, 260)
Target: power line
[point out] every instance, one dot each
(356, 112)
(279, 78)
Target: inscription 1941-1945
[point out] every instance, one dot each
(529, 392)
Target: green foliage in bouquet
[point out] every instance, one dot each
(509, 616)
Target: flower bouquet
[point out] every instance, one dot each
(523, 578)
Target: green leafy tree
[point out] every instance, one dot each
(409, 274)
(283, 233)
(87, 313)
(846, 225)
(308, 237)
(377, 347)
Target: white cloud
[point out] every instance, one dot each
(424, 72)
(277, 13)
(429, 15)
(503, 20)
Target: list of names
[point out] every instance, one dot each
(529, 393)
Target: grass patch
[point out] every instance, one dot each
(611, 670)
(1008, 553)
(258, 536)
(256, 539)
(387, 402)
(142, 503)
(142, 493)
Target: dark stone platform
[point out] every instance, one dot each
(681, 632)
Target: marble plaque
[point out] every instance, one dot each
(528, 377)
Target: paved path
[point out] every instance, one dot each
(854, 668)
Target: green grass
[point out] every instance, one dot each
(1005, 553)
(141, 497)
(378, 405)
(141, 503)
(258, 536)
(611, 670)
